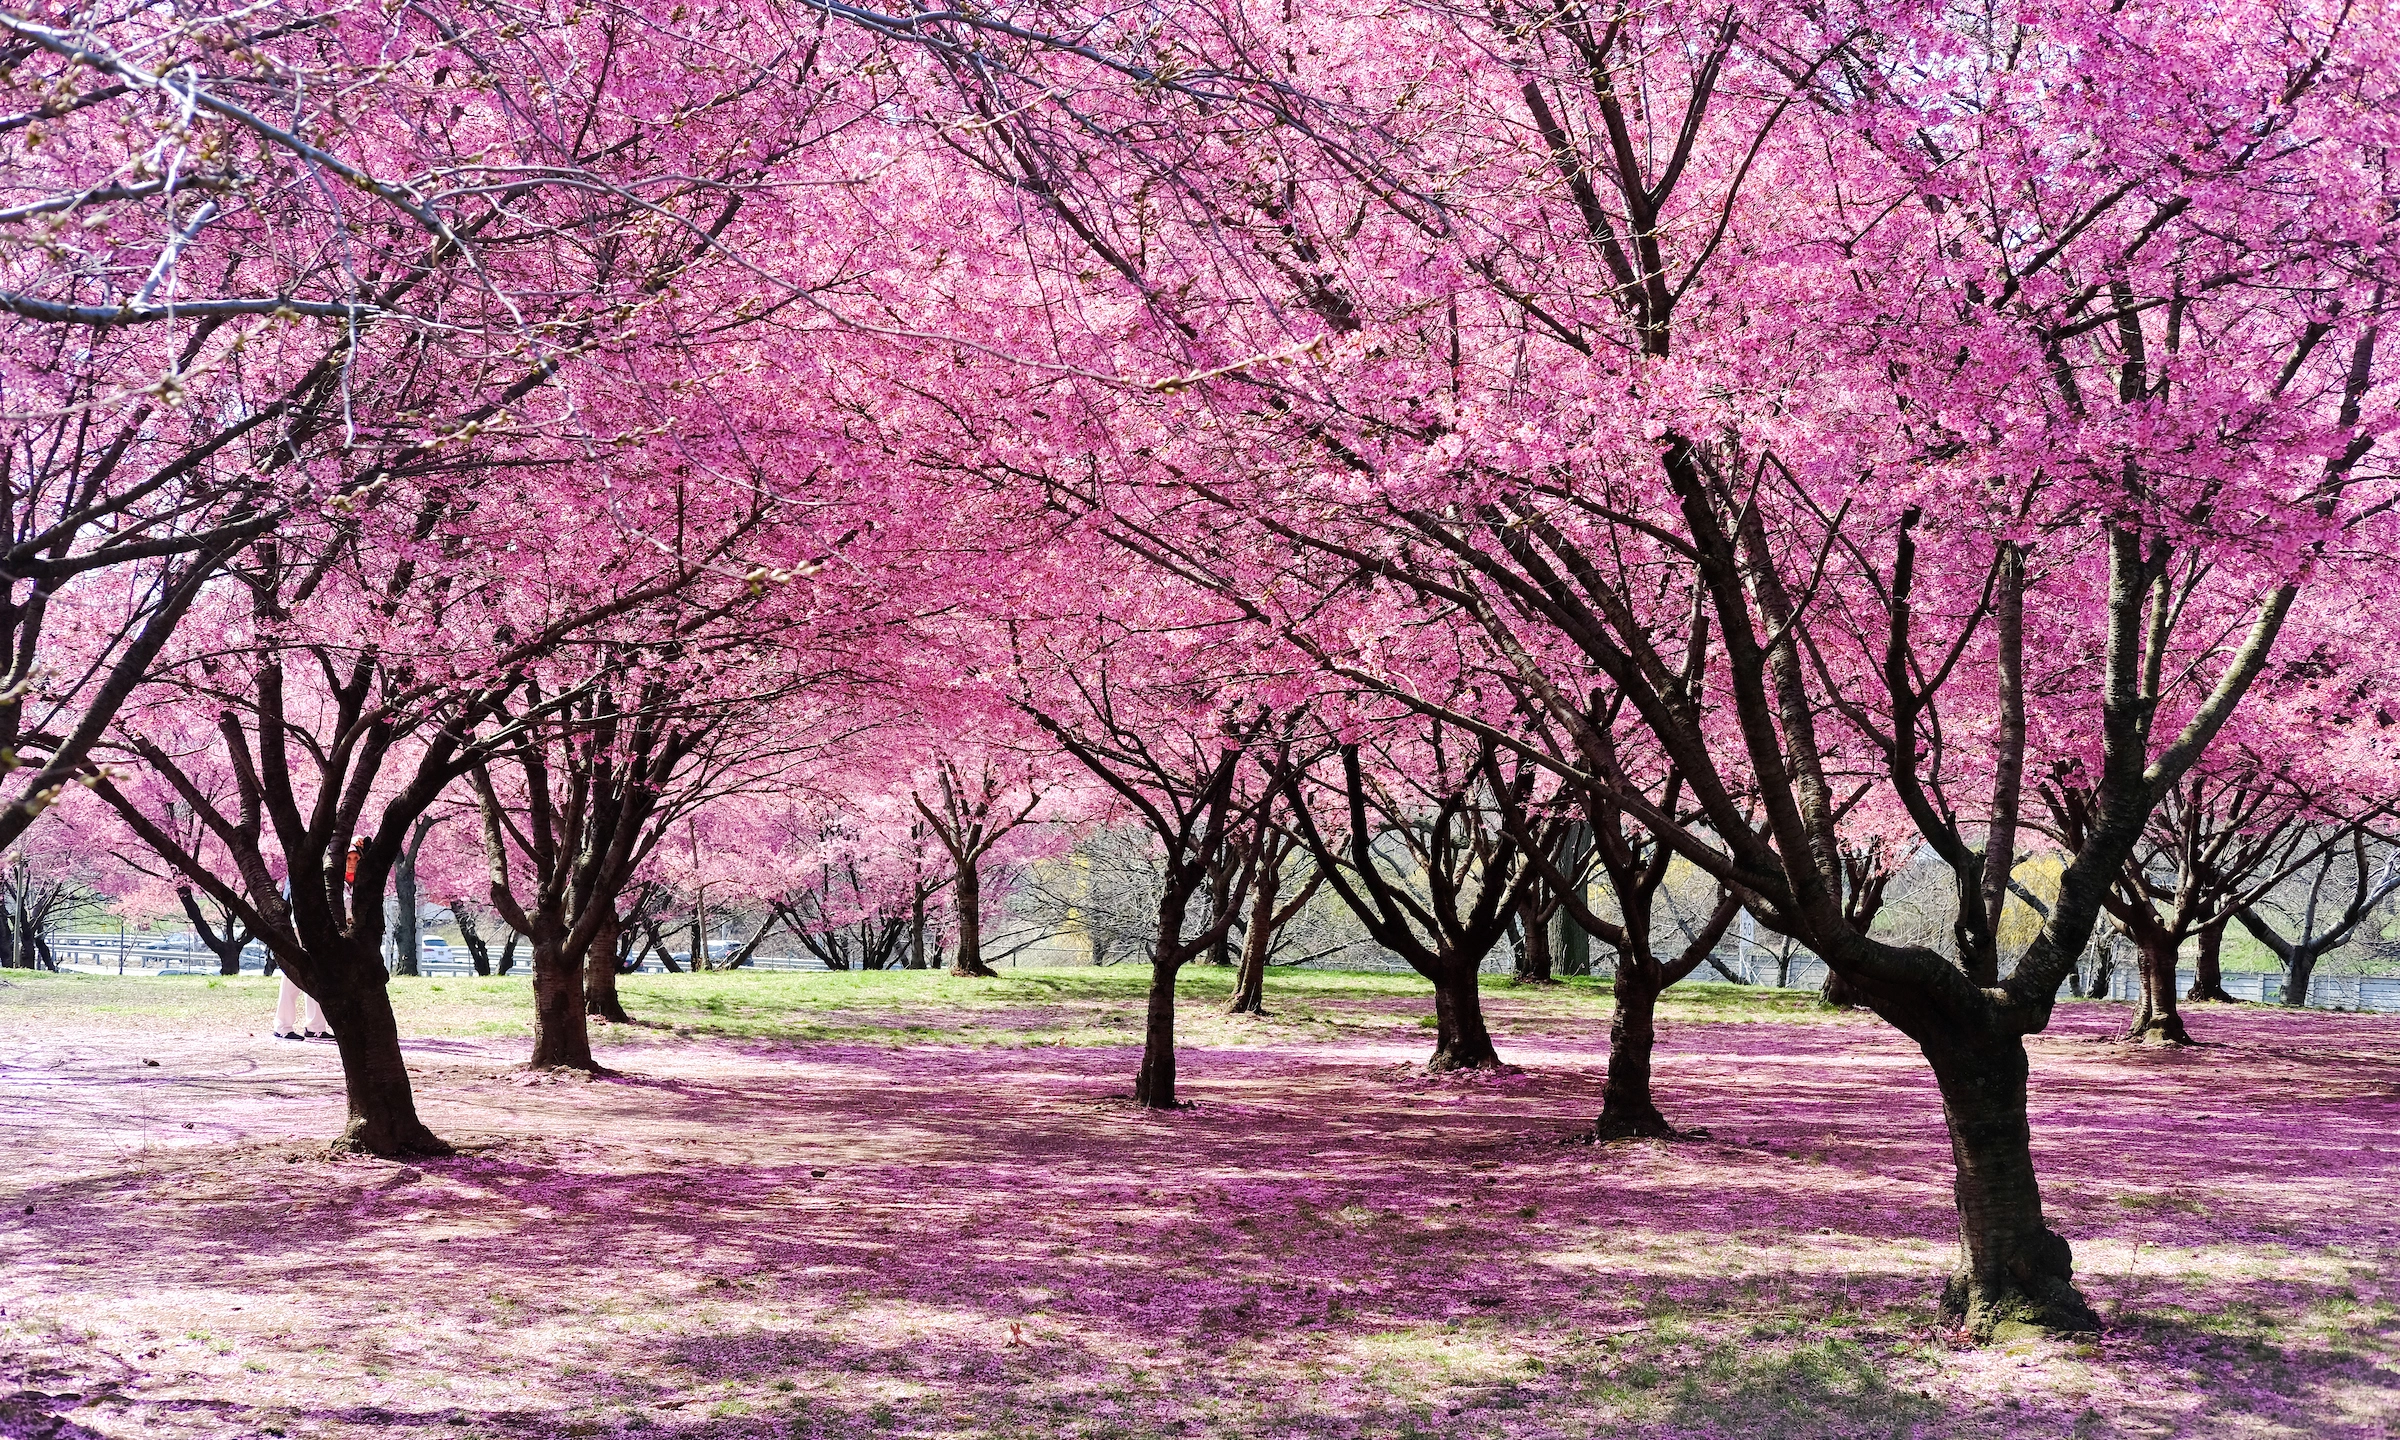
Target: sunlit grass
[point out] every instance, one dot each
(1068, 1006)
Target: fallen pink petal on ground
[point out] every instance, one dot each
(810, 1237)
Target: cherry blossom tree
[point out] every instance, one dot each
(974, 809)
(1273, 907)
(2344, 891)
(231, 238)
(1435, 871)
(1140, 710)
(1994, 424)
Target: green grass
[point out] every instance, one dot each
(1073, 1006)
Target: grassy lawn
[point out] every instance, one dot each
(1069, 1006)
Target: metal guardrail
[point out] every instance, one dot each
(2325, 992)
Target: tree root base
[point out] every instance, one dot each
(976, 971)
(1453, 1064)
(1132, 1101)
(1611, 1128)
(536, 1070)
(2037, 1295)
(2216, 994)
(415, 1143)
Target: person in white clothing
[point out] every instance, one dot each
(290, 1002)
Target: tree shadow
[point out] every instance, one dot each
(906, 1236)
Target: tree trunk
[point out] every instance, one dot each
(1250, 981)
(2208, 982)
(2013, 1269)
(1837, 991)
(916, 932)
(406, 943)
(1154, 1087)
(226, 947)
(476, 950)
(2104, 973)
(2296, 977)
(970, 930)
(658, 942)
(1574, 955)
(600, 972)
(383, 1110)
(561, 1038)
(2156, 1018)
(1220, 896)
(1626, 1106)
(1460, 1041)
(508, 954)
(1533, 960)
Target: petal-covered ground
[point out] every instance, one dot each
(909, 1205)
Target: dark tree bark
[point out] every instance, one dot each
(477, 951)
(969, 823)
(2104, 972)
(2299, 973)
(1184, 787)
(1267, 919)
(1250, 978)
(589, 803)
(382, 1105)
(407, 934)
(1575, 949)
(1154, 1083)
(1533, 944)
(916, 930)
(2369, 887)
(226, 945)
(2012, 1266)
(968, 962)
(600, 999)
(1476, 865)
(324, 919)
(2208, 980)
(2214, 846)
(1220, 900)
(747, 951)
(561, 1039)
(1460, 1041)
(2155, 1016)
(1200, 844)
(1636, 861)
(1627, 1108)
